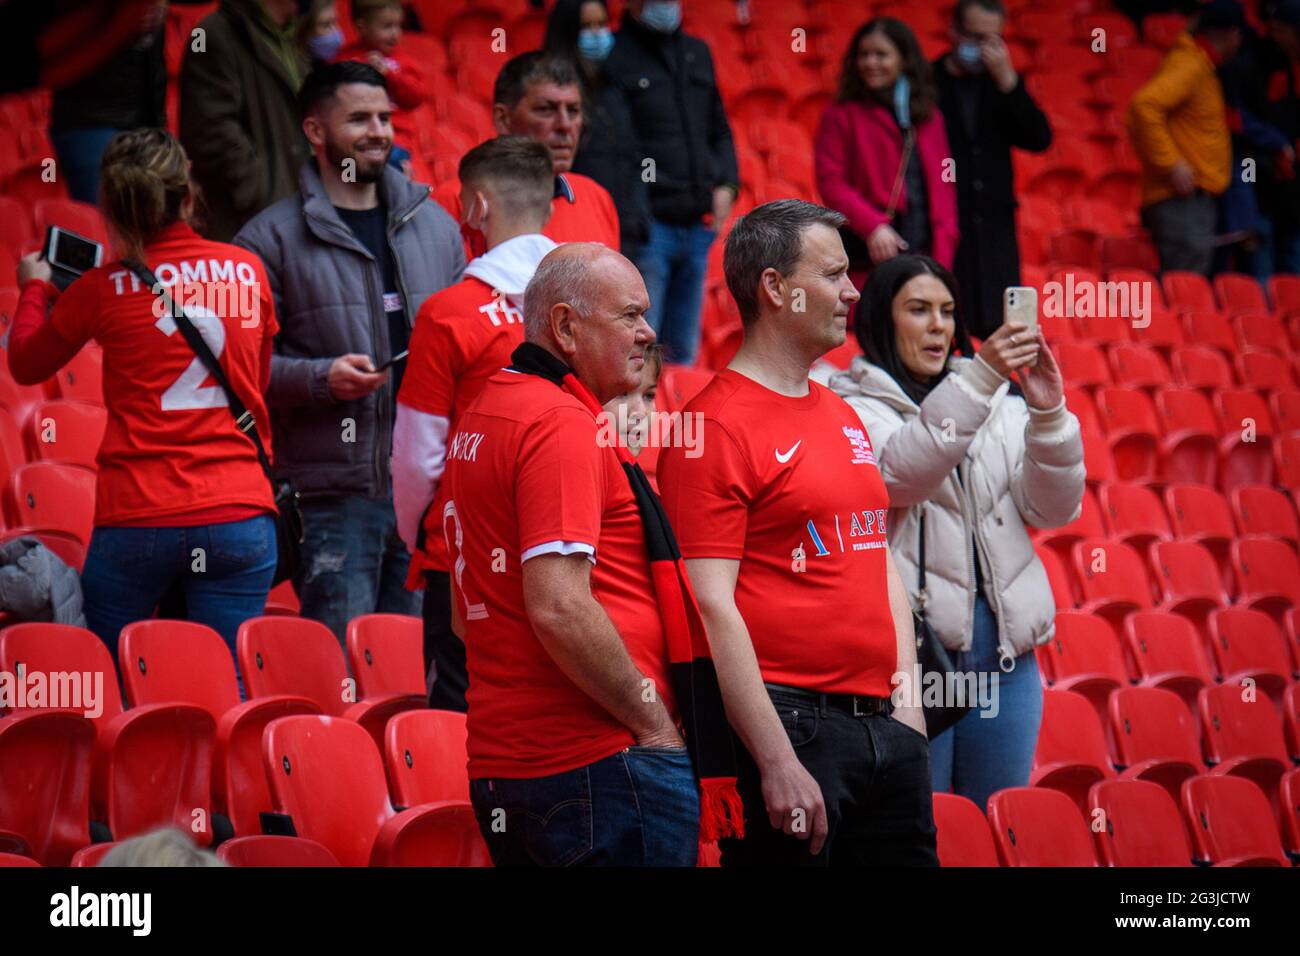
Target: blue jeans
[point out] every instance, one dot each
(673, 264)
(226, 570)
(638, 807)
(353, 562)
(79, 152)
(978, 755)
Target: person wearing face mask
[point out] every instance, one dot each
(685, 148)
(578, 31)
(319, 33)
(987, 111)
(980, 458)
(462, 336)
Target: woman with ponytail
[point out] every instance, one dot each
(181, 497)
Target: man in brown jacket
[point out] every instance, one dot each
(239, 117)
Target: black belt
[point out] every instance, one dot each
(853, 704)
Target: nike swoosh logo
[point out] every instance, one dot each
(786, 457)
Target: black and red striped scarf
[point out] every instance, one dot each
(695, 682)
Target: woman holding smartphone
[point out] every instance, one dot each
(983, 457)
(181, 497)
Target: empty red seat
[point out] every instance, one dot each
(1058, 578)
(1284, 290)
(1134, 514)
(266, 850)
(963, 837)
(1231, 822)
(164, 661)
(295, 656)
(16, 860)
(1189, 579)
(1267, 512)
(424, 751)
(54, 498)
(1071, 752)
(1164, 331)
(1199, 366)
(1143, 825)
(1085, 657)
(1286, 456)
(1238, 292)
(79, 217)
(1189, 448)
(1155, 737)
(1168, 653)
(1262, 369)
(152, 764)
(1113, 578)
(441, 834)
(1268, 575)
(1248, 645)
(82, 379)
(1132, 432)
(67, 431)
(1243, 736)
(1187, 291)
(1259, 330)
(1087, 525)
(387, 654)
(92, 855)
(1037, 827)
(45, 766)
(1246, 438)
(1138, 366)
(326, 775)
(1082, 365)
(1199, 513)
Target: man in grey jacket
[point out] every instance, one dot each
(350, 258)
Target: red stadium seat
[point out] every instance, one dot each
(1058, 577)
(82, 379)
(1143, 825)
(302, 658)
(1189, 579)
(1130, 251)
(16, 860)
(266, 850)
(1266, 512)
(45, 766)
(1190, 447)
(1113, 579)
(164, 661)
(152, 764)
(92, 855)
(387, 654)
(1155, 737)
(1085, 658)
(1248, 645)
(963, 837)
(424, 751)
(1246, 438)
(1071, 753)
(1082, 365)
(1291, 719)
(1243, 737)
(1238, 292)
(1088, 525)
(326, 775)
(1284, 290)
(1138, 366)
(1289, 799)
(68, 432)
(1263, 369)
(1259, 330)
(79, 217)
(1268, 575)
(1037, 827)
(1132, 432)
(1286, 456)
(1231, 822)
(1134, 514)
(1200, 366)
(16, 230)
(441, 834)
(1188, 291)
(55, 498)
(1199, 513)
(1169, 654)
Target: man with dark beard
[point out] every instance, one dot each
(351, 257)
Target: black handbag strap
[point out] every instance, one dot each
(244, 419)
(920, 563)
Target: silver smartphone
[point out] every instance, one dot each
(1020, 305)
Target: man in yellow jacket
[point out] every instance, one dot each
(1179, 128)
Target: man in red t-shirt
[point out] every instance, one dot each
(781, 517)
(574, 751)
(540, 96)
(463, 335)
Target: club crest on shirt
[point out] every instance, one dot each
(861, 445)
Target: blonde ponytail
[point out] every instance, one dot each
(144, 181)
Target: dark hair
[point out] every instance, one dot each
(325, 79)
(915, 67)
(769, 236)
(988, 6)
(563, 26)
(874, 322)
(527, 68)
(518, 167)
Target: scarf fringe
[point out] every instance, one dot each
(721, 812)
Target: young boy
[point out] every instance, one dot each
(378, 24)
(632, 413)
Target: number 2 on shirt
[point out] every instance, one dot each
(186, 392)
(473, 612)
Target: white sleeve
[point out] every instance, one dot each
(419, 458)
(560, 547)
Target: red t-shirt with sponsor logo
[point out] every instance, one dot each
(588, 215)
(791, 489)
(524, 472)
(463, 336)
(171, 447)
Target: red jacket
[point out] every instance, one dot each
(408, 87)
(857, 151)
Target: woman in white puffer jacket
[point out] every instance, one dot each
(983, 458)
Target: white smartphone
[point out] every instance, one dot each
(1020, 305)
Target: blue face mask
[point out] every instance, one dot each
(662, 16)
(968, 55)
(326, 46)
(595, 44)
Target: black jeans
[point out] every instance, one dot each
(445, 673)
(874, 773)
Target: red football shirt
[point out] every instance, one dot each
(791, 489)
(587, 215)
(525, 472)
(171, 446)
(463, 336)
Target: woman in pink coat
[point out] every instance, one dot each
(882, 153)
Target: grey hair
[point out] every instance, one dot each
(561, 276)
(166, 847)
(769, 236)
